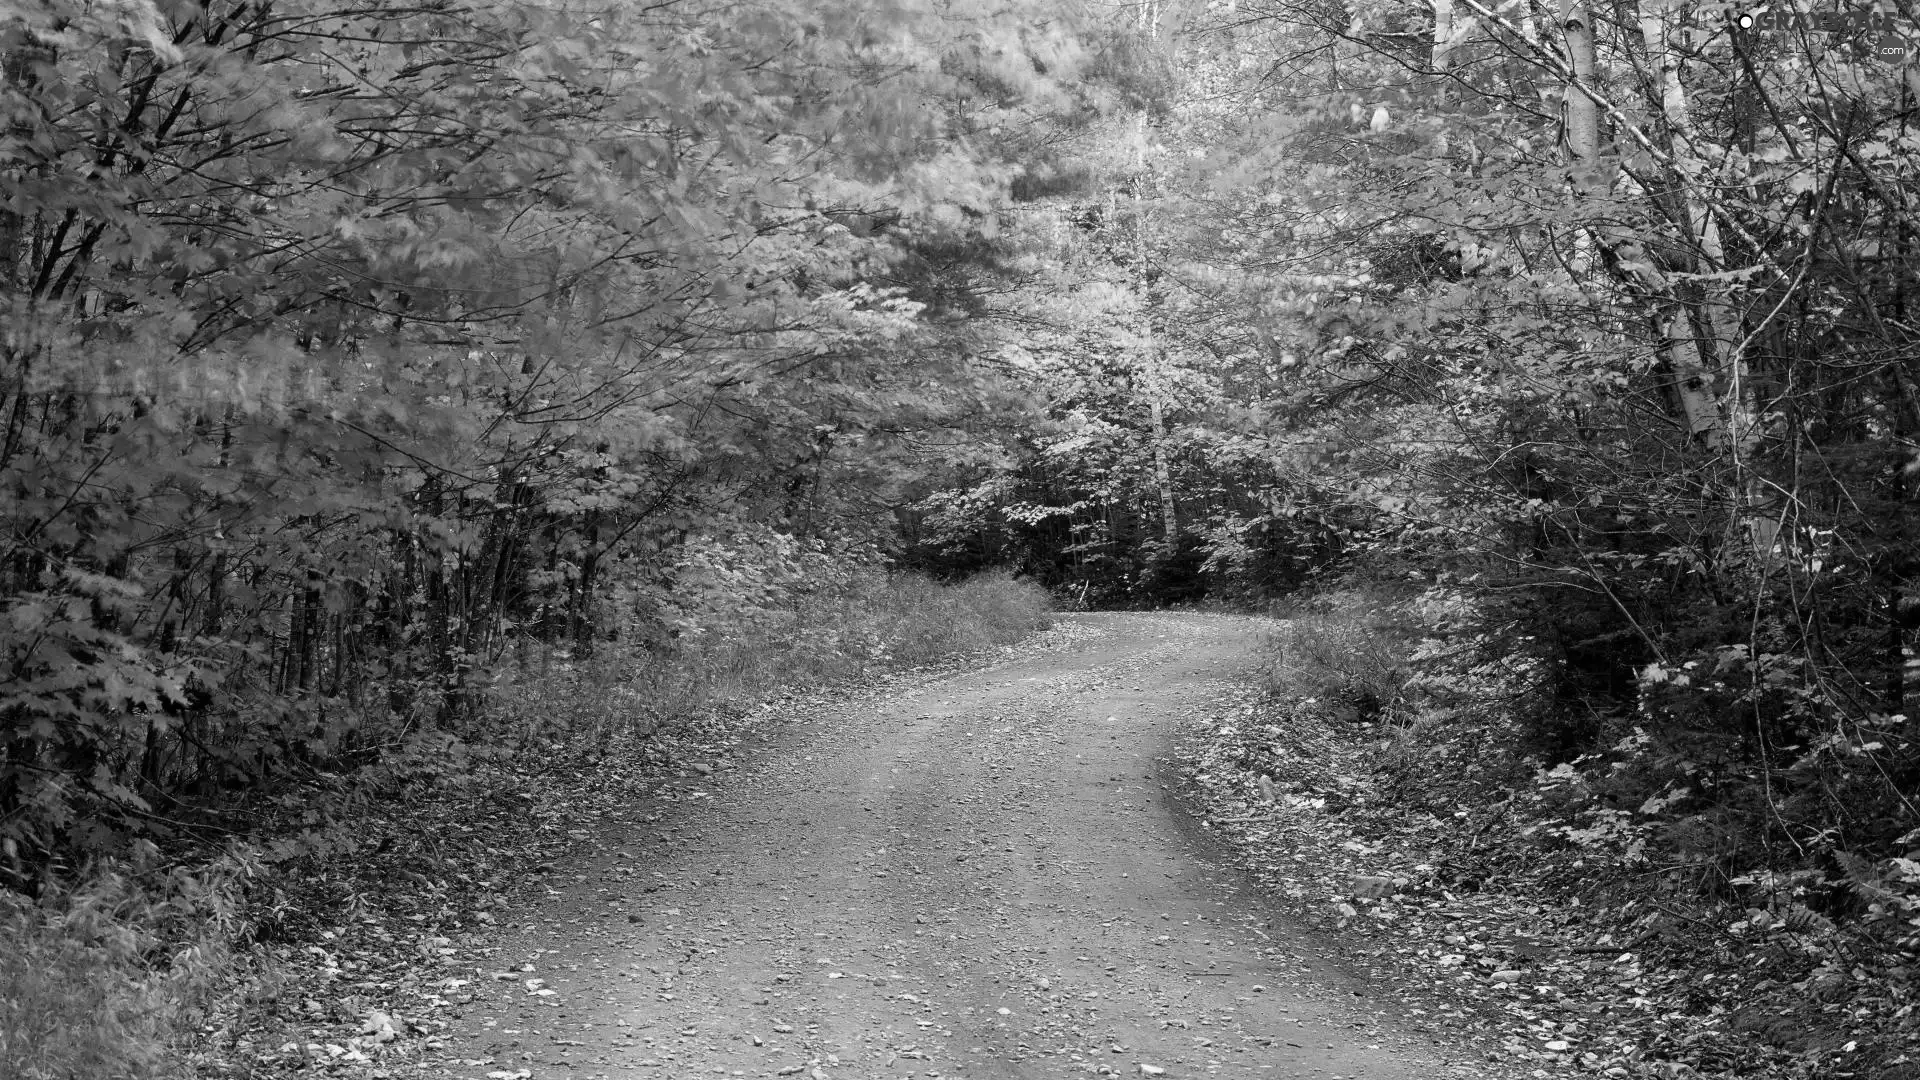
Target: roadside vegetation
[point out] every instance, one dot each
(252, 944)
(1630, 898)
(404, 407)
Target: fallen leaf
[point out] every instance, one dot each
(381, 1026)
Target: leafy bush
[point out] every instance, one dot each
(1731, 778)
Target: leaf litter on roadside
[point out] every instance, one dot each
(368, 947)
(368, 954)
(1483, 936)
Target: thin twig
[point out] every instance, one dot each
(1627, 947)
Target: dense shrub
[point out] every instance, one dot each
(1727, 779)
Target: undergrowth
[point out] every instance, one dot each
(125, 967)
(730, 638)
(100, 978)
(1778, 883)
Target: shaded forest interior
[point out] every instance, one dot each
(365, 366)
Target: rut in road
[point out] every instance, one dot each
(977, 876)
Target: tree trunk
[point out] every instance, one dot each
(1716, 329)
(1163, 476)
(1583, 114)
(1693, 381)
(1150, 351)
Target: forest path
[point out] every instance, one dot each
(979, 875)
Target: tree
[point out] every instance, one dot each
(1594, 353)
(347, 345)
(1601, 309)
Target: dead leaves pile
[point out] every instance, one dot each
(1543, 963)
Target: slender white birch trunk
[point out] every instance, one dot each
(1583, 113)
(1151, 361)
(1719, 349)
(1442, 34)
(1163, 476)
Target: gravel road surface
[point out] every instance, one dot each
(978, 875)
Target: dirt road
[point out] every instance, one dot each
(977, 876)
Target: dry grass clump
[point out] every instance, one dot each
(97, 980)
(1347, 651)
(830, 631)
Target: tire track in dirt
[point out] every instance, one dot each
(978, 875)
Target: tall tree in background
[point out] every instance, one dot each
(1140, 475)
